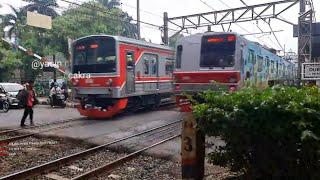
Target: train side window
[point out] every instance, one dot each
(150, 64)
(179, 56)
(267, 62)
(272, 67)
(169, 66)
(260, 63)
(251, 57)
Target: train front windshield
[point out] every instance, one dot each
(95, 55)
(218, 51)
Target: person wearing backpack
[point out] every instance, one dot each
(27, 98)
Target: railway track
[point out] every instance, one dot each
(12, 135)
(37, 172)
(109, 167)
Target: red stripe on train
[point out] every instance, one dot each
(207, 77)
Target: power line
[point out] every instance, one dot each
(208, 5)
(96, 8)
(253, 24)
(236, 23)
(133, 7)
(275, 36)
(81, 13)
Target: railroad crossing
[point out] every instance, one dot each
(134, 116)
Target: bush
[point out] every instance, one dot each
(269, 134)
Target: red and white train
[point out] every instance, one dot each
(125, 74)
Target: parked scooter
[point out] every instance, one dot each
(4, 103)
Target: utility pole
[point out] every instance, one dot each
(138, 18)
(165, 29)
(209, 28)
(54, 69)
(300, 57)
(304, 38)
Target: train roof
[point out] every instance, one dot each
(131, 41)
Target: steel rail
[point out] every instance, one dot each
(114, 164)
(37, 170)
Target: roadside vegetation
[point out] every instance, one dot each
(269, 134)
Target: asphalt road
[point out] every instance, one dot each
(42, 114)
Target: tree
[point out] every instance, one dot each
(9, 61)
(130, 29)
(82, 21)
(14, 21)
(45, 7)
(109, 3)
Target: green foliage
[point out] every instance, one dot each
(269, 134)
(9, 61)
(14, 21)
(78, 22)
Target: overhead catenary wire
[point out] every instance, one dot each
(236, 23)
(99, 16)
(142, 10)
(275, 36)
(259, 38)
(96, 8)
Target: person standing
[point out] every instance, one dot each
(27, 98)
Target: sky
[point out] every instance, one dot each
(152, 12)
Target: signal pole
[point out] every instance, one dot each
(138, 18)
(304, 38)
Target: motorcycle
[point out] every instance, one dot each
(4, 103)
(57, 100)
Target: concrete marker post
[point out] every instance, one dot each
(192, 143)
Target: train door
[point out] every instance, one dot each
(154, 63)
(130, 85)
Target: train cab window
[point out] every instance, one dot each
(272, 67)
(154, 66)
(218, 51)
(146, 66)
(130, 59)
(169, 66)
(95, 55)
(179, 56)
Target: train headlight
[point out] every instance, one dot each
(109, 83)
(177, 87)
(75, 82)
(232, 88)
